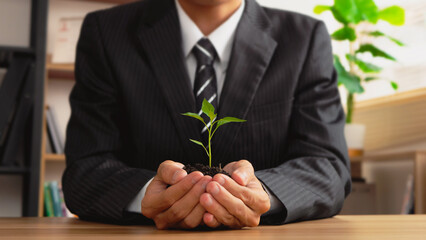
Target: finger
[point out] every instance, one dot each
(183, 207)
(171, 172)
(178, 190)
(242, 172)
(157, 202)
(253, 196)
(233, 205)
(210, 220)
(194, 218)
(219, 212)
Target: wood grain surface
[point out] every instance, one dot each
(375, 227)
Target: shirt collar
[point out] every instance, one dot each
(221, 37)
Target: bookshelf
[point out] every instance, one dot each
(418, 158)
(35, 51)
(51, 164)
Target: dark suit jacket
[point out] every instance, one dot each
(132, 86)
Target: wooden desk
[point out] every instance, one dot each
(376, 227)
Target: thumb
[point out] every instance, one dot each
(171, 172)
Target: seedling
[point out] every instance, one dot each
(212, 126)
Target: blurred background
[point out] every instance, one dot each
(379, 52)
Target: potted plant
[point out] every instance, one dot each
(356, 16)
(208, 109)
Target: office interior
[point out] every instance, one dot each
(388, 160)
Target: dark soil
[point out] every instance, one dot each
(206, 170)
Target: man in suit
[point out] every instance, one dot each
(140, 66)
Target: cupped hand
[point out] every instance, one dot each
(172, 198)
(235, 202)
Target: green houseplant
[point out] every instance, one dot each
(354, 15)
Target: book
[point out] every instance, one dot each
(53, 132)
(408, 200)
(57, 209)
(48, 203)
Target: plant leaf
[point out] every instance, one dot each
(394, 15)
(368, 10)
(321, 8)
(394, 85)
(348, 10)
(364, 66)
(194, 115)
(345, 33)
(197, 142)
(376, 52)
(380, 34)
(226, 120)
(338, 16)
(351, 82)
(371, 78)
(208, 109)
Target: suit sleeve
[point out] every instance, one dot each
(98, 184)
(314, 178)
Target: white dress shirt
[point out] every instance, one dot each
(222, 39)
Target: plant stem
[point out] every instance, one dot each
(349, 107)
(350, 97)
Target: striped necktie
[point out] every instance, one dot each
(205, 86)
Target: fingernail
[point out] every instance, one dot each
(180, 165)
(204, 185)
(243, 176)
(215, 190)
(178, 174)
(220, 180)
(196, 178)
(209, 201)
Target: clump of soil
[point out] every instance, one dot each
(206, 170)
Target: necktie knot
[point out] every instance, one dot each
(204, 52)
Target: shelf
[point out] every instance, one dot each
(62, 71)
(26, 50)
(13, 170)
(52, 157)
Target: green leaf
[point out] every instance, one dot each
(394, 15)
(380, 34)
(376, 52)
(351, 82)
(371, 78)
(197, 142)
(194, 115)
(394, 85)
(348, 10)
(364, 66)
(226, 120)
(208, 109)
(368, 10)
(321, 8)
(345, 33)
(338, 16)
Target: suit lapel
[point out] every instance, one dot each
(160, 37)
(251, 53)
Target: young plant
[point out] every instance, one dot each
(212, 126)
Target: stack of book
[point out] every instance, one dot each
(54, 205)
